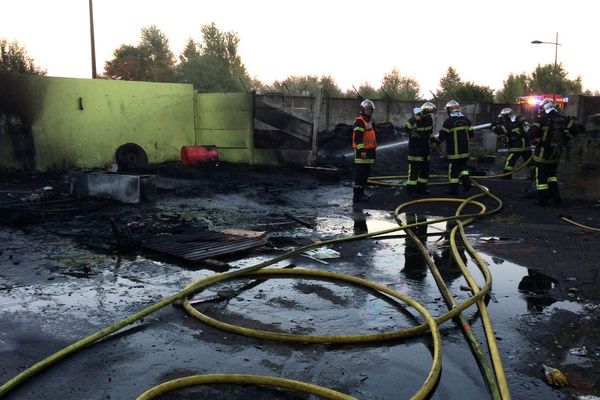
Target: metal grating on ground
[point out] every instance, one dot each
(200, 245)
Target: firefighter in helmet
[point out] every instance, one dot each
(550, 132)
(419, 128)
(364, 144)
(513, 129)
(457, 132)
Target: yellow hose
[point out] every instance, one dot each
(485, 318)
(195, 380)
(423, 392)
(570, 221)
(434, 372)
(461, 321)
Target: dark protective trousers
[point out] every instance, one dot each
(546, 183)
(458, 171)
(361, 174)
(418, 176)
(512, 159)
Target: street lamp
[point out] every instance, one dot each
(554, 75)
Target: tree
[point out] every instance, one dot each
(542, 80)
(365, 91)
(14, 58)
(452, 87)
(307, 84)
(214, 65)
(297, 85)
(127, 64)
(513, 86)
(448, 84)
(472, 92)
(395, 86)
(161, 61)
(330, 88)
(151, 60)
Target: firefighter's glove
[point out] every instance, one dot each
(362, 154)
(554, 377)
(414, 135)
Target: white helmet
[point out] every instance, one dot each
(506, 112)
(548, 105)
(366, 103)
(452, 106)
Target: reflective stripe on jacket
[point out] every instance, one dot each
(457, 132)
(363, 138)
(551, 131)
(420, 131)
(516, 138)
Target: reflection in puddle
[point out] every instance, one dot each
(310, 306)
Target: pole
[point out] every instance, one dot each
(94, 75)
(554, 79)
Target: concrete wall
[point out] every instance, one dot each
(335, 111)
(81, 122)
(579, 170)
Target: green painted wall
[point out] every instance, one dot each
(226, 121)
(157, 116)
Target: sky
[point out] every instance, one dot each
(354, 42)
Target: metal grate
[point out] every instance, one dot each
(200, 245)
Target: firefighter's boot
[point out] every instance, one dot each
(542, 196)
(410, 190)
(554, 192)
(359, 195)
(466, 182)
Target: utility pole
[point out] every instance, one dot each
(555, 73)
(94, 75)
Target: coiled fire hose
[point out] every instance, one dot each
(257, 270)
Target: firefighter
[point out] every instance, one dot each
(513, 129)
(364, 144)
(419, 128)
(550, 132)
(457, 132)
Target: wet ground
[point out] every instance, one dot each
(71, 270)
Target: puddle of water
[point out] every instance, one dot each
(307, 306)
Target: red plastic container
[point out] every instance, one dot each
(192, 155)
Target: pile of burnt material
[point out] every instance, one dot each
(335, 146)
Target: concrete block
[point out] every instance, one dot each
(129, 189)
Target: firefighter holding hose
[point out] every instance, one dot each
(419, 129)
(457, 132)
(364, 144)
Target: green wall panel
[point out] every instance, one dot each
(81, 122)
(226, 121)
